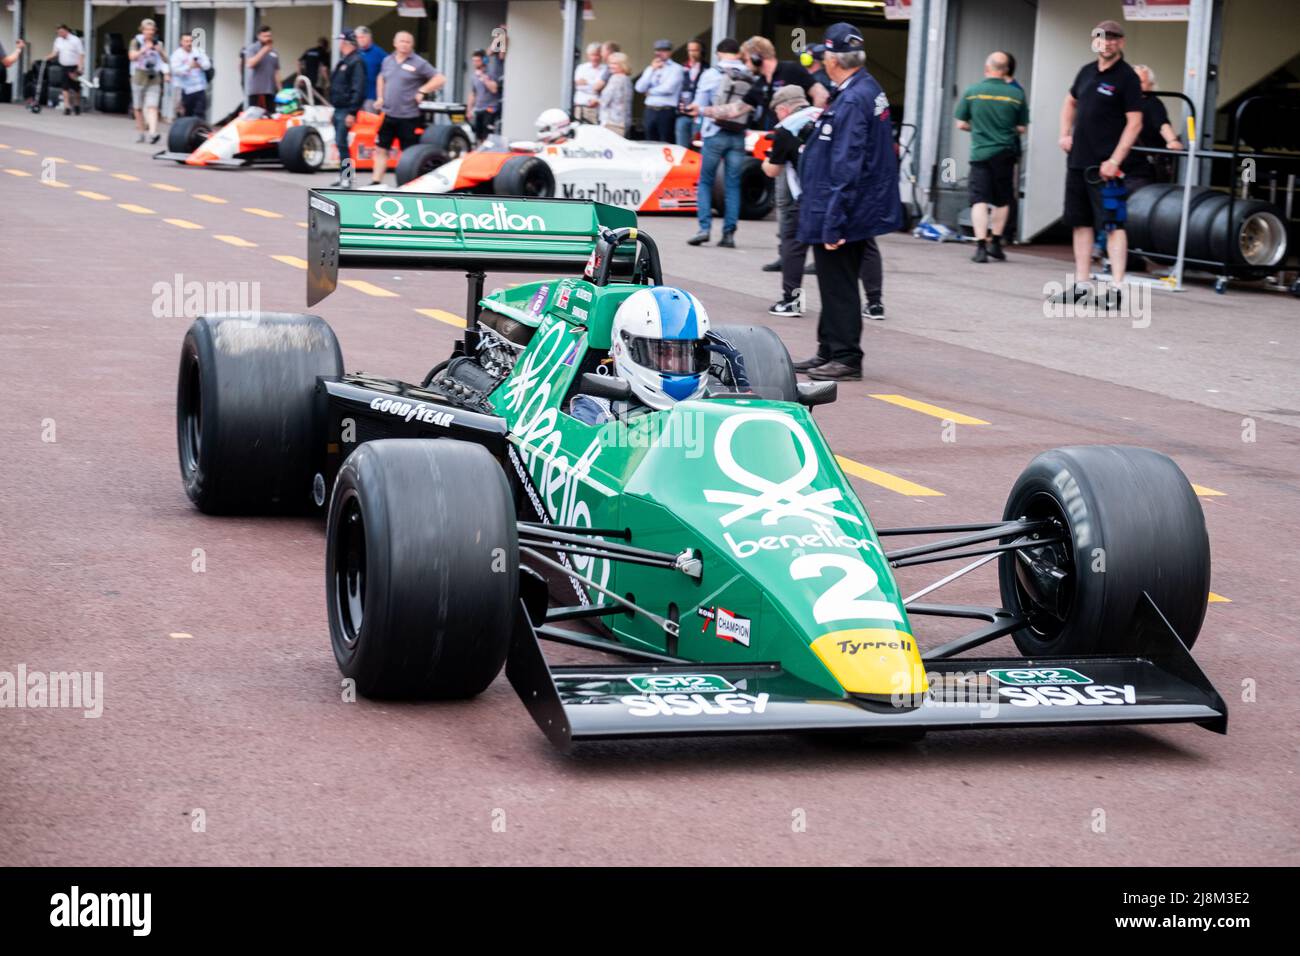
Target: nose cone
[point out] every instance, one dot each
(877, 663)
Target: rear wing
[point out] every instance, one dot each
(406, 230)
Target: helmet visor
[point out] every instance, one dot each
(669, 356)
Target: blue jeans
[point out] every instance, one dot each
(684, 130)
(341, 134)
(728, 148)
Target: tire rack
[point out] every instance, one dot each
(1224, 270)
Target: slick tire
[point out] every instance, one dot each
(767, 363)
(422, 568)
(526, 176)
(187, 134)
(420, 159)
(246, 423)
(451, 140)
(757, 190)
(302, 150)
(1131, 523)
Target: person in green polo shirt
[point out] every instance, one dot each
(995, 113)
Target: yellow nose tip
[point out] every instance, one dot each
(878, 661)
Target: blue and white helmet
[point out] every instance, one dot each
(658, 345)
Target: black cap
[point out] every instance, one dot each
(349, 35)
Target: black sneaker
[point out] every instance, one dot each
(76, 111)
(699, 239)
(874, 310)
(155, 137)
(790, 306)
(66, 111)
(728, 240)
(810, 363)
(1113, 300)
(773, 266)
(981, 253)
(1075, 294)
(835, 372)
(995, 250)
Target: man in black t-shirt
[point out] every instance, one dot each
(772, 74)
(1157, 132)
(1100, 122)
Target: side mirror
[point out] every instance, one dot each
(818, 393)
(612, 387)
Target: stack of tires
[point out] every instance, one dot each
(1254, 243)
(114, 76)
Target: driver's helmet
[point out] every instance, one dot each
(288, 102)
(658, 343)
(553, 125)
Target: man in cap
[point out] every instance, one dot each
(661, 84)
(347, 94)
(1101, 119)
(849, 175)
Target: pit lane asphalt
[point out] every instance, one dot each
(242, 720)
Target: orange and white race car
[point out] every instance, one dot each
(300, 136)
(582, 161)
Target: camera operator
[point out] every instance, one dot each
(148, 68)
(190, 72)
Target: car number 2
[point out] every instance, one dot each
(843, 600)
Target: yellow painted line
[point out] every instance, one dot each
(126, 177)
(180, 635)
(55, 183)
(925, 408)
(167, 187)
(55, 159)
(183, 223)
(301, 225)
(1219, 599)
(25, 152)
(886, 480)
(132, 207)
(16, 172)
(291, 261)
(88, 168)
(264, 213)
(236, 241)
(5, 146)
(92, 195)
(451, 318)
(1204, 492)
(361, 285)
(206, 198)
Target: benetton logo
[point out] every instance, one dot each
(392, 213)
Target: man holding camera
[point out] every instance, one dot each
(262, 70)
(190, 71)
(148, 66)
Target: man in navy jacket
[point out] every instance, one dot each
(850, 181)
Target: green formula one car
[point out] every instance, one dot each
(715, 545)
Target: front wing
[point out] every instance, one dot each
(1160, 684)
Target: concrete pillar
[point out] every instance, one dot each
(250, 34)
(88, 41)
(572, 38)
(336, 27)
(724, 21)
(447, 51)
(171, 40)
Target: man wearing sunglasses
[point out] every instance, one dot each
(1100, 121)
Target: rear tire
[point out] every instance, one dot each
(187, 134)
(451, 140)
(245, 410)
(1132, 523)
(527, 176)
(767, 362)
(422, 568)
(417, 161)
(302, 150)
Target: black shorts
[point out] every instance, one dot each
(992, 180)
(70, 79)
(1083, 201)
(400, 129)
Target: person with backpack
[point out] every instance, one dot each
(720, 99)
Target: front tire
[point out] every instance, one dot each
(422, 568)
(187, 134)
(417, 161)
(526, 176)
(1131, 523)
(302, 150)
(245, 410)
(451, 141)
